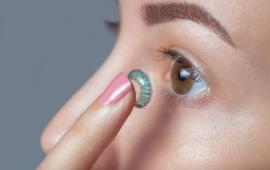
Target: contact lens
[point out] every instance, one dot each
(145, 87)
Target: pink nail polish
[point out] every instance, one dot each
(118, 88)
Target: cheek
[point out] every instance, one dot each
(187, 139)
(214, 138)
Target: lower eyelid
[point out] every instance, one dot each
(184, 101)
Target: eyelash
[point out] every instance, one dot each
(184, 100)
(112, 26)
(175, 56)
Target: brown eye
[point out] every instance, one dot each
(185, 78)
(181, 77)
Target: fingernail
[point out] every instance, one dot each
(118, 88)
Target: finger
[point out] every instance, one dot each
(73, 108)
(81, 146)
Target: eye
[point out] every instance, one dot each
(185, 78)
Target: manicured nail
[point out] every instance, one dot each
(118, 88)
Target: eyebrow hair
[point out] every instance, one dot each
(157, 13)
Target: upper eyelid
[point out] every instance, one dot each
(173, 54)
(178, 57)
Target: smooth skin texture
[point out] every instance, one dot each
(227, 129)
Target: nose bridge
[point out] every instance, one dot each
(122, 59)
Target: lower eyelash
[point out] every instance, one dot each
(174, 99)
(184, 101)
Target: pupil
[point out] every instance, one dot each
(183, 74)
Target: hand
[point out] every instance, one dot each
(94, 130)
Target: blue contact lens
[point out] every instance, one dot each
(145, 87)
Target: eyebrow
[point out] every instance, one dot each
(157, 13)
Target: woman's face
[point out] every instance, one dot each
(209, 65)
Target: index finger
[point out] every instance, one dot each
(94, 130)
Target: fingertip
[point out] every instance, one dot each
(48, 140)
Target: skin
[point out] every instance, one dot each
(228, 129)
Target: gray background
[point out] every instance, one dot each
(48, 49)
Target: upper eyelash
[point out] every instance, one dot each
(112, 26)
(178, 57)
(173, 54)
